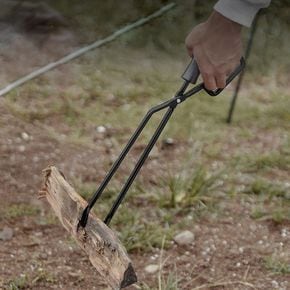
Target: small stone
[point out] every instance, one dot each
(6, 234)
(101, 129)
(275, 284)
(35, 159)
(284, 233)
(184, 238)
(21, 148)
(207, 249)
(25, 136)
(241, 250)
(168, 142)
(43, 256)
(75, 274)
(151, 269)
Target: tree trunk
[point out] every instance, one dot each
(105, 251)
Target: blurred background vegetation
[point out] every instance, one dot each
(91, 20)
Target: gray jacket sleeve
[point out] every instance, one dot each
(241, 11)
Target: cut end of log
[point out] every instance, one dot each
(104, 249)
(129, 277)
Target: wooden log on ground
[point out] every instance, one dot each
(105, 251)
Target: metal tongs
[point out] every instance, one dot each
(190, 76)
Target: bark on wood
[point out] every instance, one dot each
(105, 251)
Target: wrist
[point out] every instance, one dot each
(217, 21)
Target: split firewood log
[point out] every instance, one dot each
(101, 244)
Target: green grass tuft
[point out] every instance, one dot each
(142, 235)
(277, 266)
(189, 188)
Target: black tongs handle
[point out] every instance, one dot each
(192, 73)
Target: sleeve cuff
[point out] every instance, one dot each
(240, 11)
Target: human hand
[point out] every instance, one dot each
(217, 48)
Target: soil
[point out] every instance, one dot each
(228, 252)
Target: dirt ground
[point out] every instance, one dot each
(231, 249)
(227, 252)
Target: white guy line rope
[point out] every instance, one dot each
(85, 49)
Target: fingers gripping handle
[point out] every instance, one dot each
(191, 75)
(230, 78)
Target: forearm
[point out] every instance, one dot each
(241, 11)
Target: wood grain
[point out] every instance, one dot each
(101, 244)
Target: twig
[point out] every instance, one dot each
(200, 275)
(246, 273)
(224, 284)
(85, 49)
